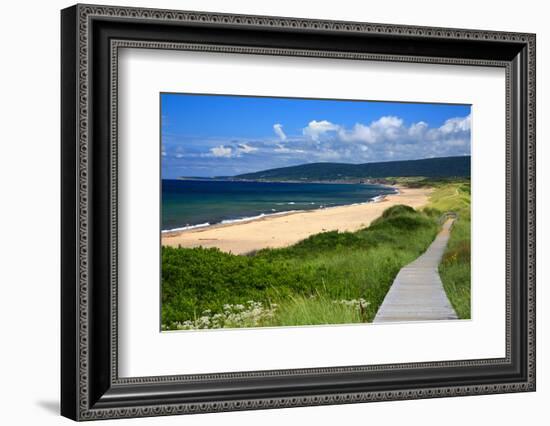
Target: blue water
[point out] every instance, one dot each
(188, 203)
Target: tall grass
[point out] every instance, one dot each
(317, 310)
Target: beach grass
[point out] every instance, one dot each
(318, 310)
(316, 281)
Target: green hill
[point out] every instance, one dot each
(428, 167)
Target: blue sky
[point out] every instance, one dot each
(216, 135)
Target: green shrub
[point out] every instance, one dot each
(398, 210)
(432, 212)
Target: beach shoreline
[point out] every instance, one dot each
(206, 225)
(287, 228)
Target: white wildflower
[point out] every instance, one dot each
(250, 314)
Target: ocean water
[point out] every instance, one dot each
(197, 203)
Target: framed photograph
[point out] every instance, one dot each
(263, 212)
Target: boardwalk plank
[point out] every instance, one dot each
(417, 293)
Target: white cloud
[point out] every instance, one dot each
(457, 124)
(245, 148)
(278, 129)
(281, 149)
(388, 127)
(221, 151)
(384, 129)
(385, 138)
(359, 133)
(387, 122)
(315, 129)
(417, 130)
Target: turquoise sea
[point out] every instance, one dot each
(199, 203)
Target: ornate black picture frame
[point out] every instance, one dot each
(91, 36)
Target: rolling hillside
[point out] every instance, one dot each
(429, 167)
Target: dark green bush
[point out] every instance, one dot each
(397, 210)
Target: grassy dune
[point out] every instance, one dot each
(329, 278)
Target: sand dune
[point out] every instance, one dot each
(284, 230)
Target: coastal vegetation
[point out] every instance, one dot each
(328, 278)
(331, 277)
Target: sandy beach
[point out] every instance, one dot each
(284, 230)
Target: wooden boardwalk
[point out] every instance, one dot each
(417, 293)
